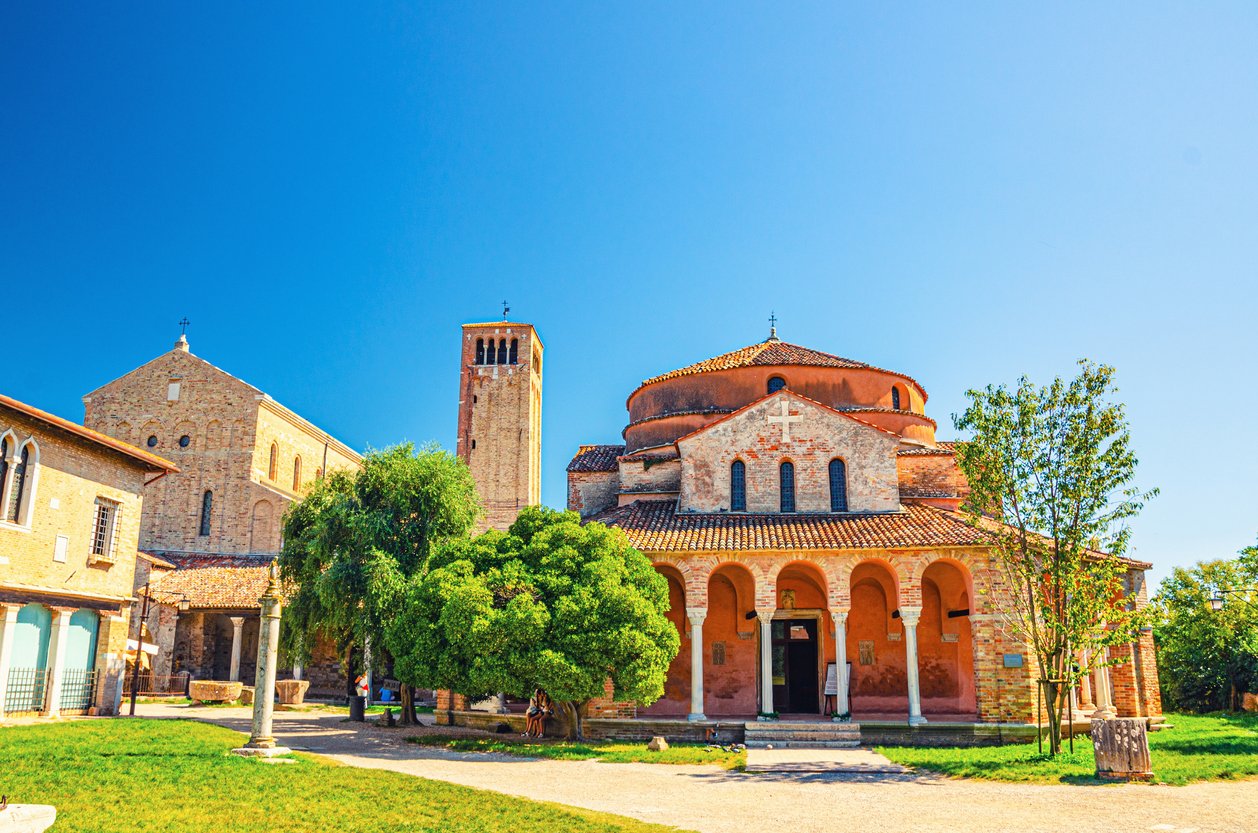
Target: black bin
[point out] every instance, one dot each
(358, 708)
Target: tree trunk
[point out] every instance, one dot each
(1052, 698)
(576, 728)
(1122, 749)
(408, 716)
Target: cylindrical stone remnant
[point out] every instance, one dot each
(1121, 747)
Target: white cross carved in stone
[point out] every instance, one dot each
(785, 419)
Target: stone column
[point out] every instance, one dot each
(766, 659)
(910, 616)
(1104, 694)
(696, 615)
(297, 670)
(1086, 706)
(8, 626)
(238, 625)
(841, 700)
(261, 741)
(57, 660)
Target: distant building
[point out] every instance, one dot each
(71, 503)
(243, 458)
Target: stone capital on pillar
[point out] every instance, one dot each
(765, 616)
(696, 615)
(910, 617)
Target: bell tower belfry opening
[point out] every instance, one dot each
(500, 416)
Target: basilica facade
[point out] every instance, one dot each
(806, 518)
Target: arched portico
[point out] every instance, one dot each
(945, 640)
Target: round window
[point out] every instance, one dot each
(152, 441)
(185, 441)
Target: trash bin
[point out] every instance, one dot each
(358, 708)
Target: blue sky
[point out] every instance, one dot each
(965, 195)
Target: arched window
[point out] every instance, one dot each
(838, 486)
(502, 351)
(776, 383)
(515, 351)
(4, 462)
(207, 509)
(738, 486)
(273, 467)
(296, 473)
(895, 398)
(788, 487)
(17, 489)
(480, 351)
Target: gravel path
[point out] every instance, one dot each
(714, 801)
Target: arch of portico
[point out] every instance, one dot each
(912, 607)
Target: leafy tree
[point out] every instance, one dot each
(551, 603)
(1208, 658)
(1050, 471)
(351, 544)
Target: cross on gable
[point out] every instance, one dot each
(785, 419)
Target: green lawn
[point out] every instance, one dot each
(610, 752)
(1196, 748)
(175, 776)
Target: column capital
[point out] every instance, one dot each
(237, 621)
(910, 616)
(765, 616)
(840, 616)
(696, 615)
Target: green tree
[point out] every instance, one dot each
(1050, 471)
(551, 603)
(1208, 658)
(355, 539)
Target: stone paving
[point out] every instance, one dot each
(711, 800)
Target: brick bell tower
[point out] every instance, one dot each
(500, 416)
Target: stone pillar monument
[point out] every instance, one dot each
(261, 742)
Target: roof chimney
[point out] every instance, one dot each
(182, 343)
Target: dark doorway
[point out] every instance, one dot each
(795, 666)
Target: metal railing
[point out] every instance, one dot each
(162, 685)
(26, 690)
(78, 689)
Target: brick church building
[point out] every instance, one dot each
(807, 519)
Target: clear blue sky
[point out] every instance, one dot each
(963, 195)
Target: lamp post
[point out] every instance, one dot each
(1220, 596)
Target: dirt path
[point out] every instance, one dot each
(714, 801)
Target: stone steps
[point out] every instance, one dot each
(800, 735)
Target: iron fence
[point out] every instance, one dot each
(26, 689)
(162, 685)
(78, 688)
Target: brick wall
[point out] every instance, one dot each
(591, 492)
(819, 436)
(500, 412)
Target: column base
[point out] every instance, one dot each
(916, 720)
(1103, 714)
(261, 751)
(696, 716)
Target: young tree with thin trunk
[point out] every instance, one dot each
(552, 604)
(1050, 472)
(352, 543)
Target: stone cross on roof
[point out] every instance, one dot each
(785, 419)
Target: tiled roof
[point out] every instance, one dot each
(943, 447)
(596, 458)
(654, 526)
(148, 462)
(912, 492)
(768, 354)
(213, 581)
(155, 560)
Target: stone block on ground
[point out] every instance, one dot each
(214, 691)
(1122, 749)
(657, 744)
(292, 692)
(27, 818)
(1249, 702)
(246, 695)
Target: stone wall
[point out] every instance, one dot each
(591, 492)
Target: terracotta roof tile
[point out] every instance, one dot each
(213, 580)
(943, 448)
(772, 353)
(654, 526)
(596, 458)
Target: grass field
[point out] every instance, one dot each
(175, 776)
(610, 752)
(1196, 748)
